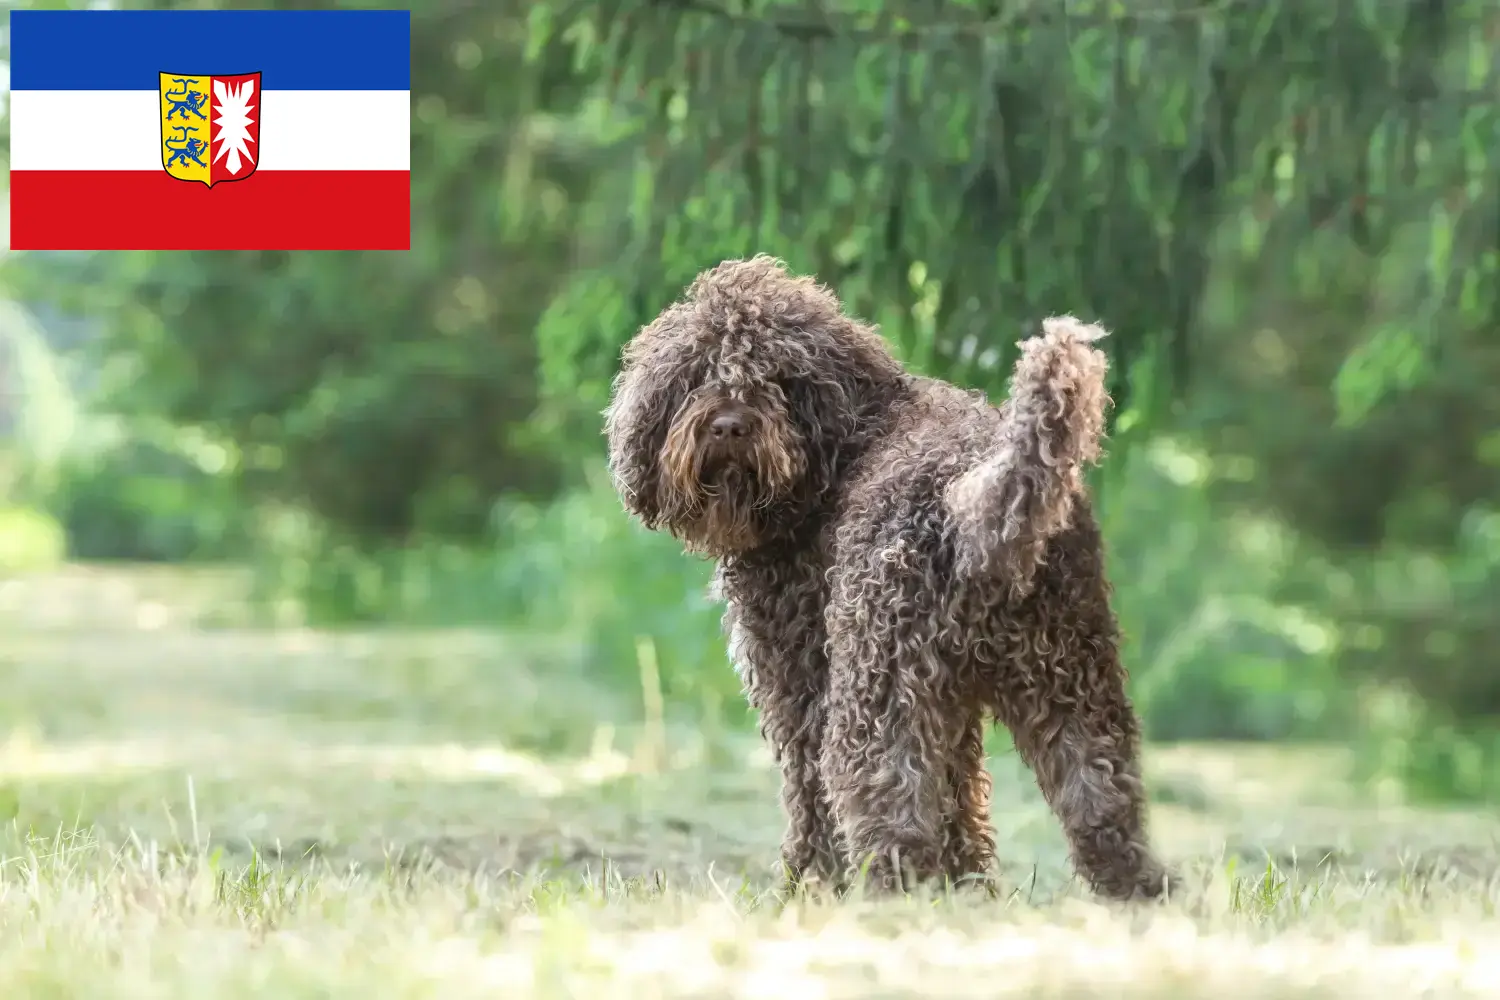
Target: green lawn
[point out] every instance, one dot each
(219, 812)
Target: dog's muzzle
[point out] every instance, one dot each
(726, 440)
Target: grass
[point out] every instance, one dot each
(222, 812)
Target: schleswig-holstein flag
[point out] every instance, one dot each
(210, 130)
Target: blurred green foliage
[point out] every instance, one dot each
(1288, 212)
(30, 540)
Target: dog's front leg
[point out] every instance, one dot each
(809, 848)
(787, 685)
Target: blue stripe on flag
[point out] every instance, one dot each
(293, 49)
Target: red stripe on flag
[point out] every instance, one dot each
(271, 210)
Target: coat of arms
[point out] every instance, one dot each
(210, 126)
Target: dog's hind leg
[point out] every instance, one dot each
(969, 850)
(888, 748)
(1085, 752)
(886, 790)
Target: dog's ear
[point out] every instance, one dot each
(844, 387)
(651, 387)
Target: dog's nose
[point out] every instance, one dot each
(727, 425)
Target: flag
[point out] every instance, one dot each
(210, 130)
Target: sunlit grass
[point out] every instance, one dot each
(231, 814)
(84, 919)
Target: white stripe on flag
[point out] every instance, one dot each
(121, 130)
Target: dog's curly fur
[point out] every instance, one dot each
(899, 559)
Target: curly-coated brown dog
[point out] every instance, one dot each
(899, 558)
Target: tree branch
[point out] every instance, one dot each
(842, 27)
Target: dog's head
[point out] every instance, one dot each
(738, 409)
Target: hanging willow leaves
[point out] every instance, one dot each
(1173, 98)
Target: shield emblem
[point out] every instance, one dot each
(210, 126)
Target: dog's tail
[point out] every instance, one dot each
(1021, 494)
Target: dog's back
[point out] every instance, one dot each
(895, 508)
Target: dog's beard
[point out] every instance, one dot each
(720, 500)
(725, 509)
(731, 499)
